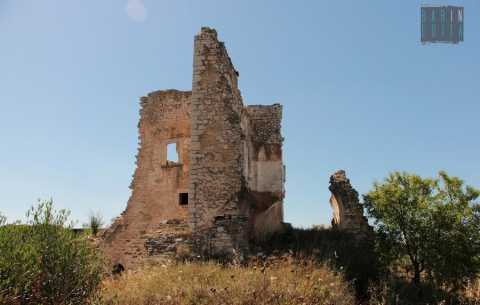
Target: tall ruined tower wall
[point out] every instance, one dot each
(157, 183)
(216, 165)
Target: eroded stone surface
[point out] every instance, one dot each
(347, 210)
(227, 187)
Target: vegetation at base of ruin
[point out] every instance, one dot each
(280, 281)
(274, 279)
(432, 222)
(95, 222)
(393, 290)
(424, 249)
(43, 261)
(340, 250)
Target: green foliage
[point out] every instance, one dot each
(397, 291)
(430, 226)
(95, 222)
(44, 262)
(454, 241)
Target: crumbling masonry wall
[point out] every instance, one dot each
(215, 153)
(347, 210)
(263, 168)
(227, 187)
(164, 119)
(237, 174)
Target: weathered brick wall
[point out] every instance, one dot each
(347, 210)
(164, 118)
(230, 163)
(216, 148)
(265, 173)
(266, 123)
(169, 236)
(266, 140)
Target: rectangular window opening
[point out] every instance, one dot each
(183, 198)
(172, 154)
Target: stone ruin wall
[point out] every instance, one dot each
(164, 119)
(347, 210)
(237, 174)
(230, 164)
(263, 168)
(217, 219)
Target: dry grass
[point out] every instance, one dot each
(280, 282)
(473, 292)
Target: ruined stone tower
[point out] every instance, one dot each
(226, 185)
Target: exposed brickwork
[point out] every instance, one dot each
(230, 164)
(164, 118)
(168, 237)
(263, 169)
(266, 123)
(216, 160)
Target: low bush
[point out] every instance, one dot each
(400, 291)
(44, 262)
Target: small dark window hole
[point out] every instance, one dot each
(183, 198)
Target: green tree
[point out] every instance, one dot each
(454, 239)
(430, 224)
(44, 262)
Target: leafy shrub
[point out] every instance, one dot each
(44, 262)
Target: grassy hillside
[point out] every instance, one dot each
(279, 282)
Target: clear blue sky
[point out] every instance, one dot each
(359, 91)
